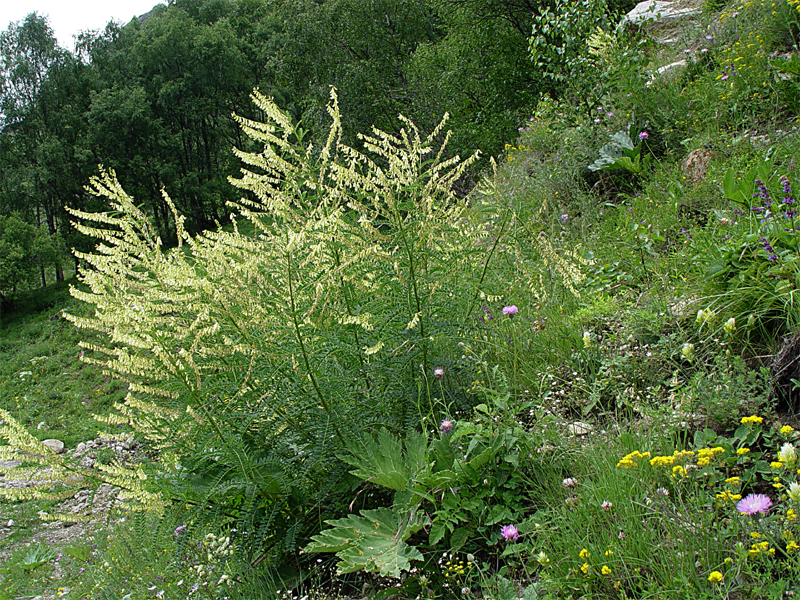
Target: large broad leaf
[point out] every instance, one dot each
(388, 462)
(374, 541)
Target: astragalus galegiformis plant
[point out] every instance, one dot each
(252, 353)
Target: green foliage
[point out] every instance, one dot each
(622, 153)
(755, 270)
(374, 542)
(471, 479)
(253, 355)
(560, 48)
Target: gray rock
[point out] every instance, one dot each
(79, 451)
(580, 428)
(56, 446)
(658, 10)
(670, 67)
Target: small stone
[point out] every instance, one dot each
(580, 428)
(56, 446)
(10, 523)
(79, 451)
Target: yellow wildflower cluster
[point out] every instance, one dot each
(728, 496)
(787, 429)
(752, 419)
(742, 451)
(760, 548)
(456, 568)
(706, 455)
(715, 577)
(632, 460)
(667, 461)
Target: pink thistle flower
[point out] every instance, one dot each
(446, 426)
(510, 533)
(643, 135)
(754, 503)
(510, 310)
(438, 372)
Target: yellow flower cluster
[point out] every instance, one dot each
(632, 460)
(456, 569)
(787, 429)
(715, 577)
(666, 461)
(728, 496)
(760, 548)
(706, 455)
(752, 419)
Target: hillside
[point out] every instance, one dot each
(580, 380)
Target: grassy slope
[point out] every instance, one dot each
(649, 243)
(42, 381)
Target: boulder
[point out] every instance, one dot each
(658, 10)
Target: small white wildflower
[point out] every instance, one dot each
(787, 454)
(730, 326)
(794, 492)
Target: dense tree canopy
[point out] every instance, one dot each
(155, 98)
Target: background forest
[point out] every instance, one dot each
(543, 346)
(154, 99)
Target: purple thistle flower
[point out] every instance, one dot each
(446, 426)
(643, 135)
(754, 503)
(510, 310)
(438, 372)
(564, 218)
(510, 533)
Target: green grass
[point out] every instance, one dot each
(42, 380)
